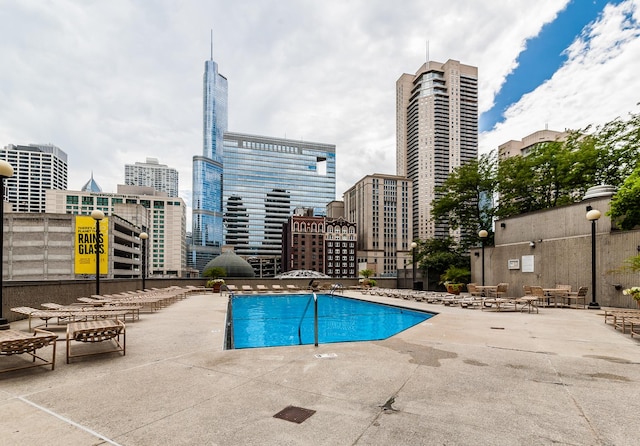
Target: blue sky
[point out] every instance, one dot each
(115, 82)
(543, 56)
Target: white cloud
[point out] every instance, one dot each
(116, 82)
(597, 84)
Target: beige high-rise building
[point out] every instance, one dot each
(522, 147)
(436, 131)
(380, 205)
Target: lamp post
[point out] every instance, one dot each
(483, 234)
(144, 236)
(593, 215)
(414, 245)
(97, 215)
(6, 171)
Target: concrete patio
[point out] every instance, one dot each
(463, 377)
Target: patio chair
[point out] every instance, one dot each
(247, 289)
(292, 288)
(14, 342)
(277, 288)
(577, 296)
(97, 331)
(262, 288)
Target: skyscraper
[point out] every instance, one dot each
(265, 179)
(380, 205)
(436, 131)
(37, 168)
(207, 170)
(153, 174)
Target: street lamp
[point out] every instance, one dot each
(144, 236)
(593, 215)
(6, 171)
(97, 215)
(483, 234)
(414, 245)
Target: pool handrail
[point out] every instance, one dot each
(315, 320)
(302, 318)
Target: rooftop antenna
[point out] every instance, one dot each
(427, 51)
(212, 44)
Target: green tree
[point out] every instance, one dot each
(434, 256)
(215, 272)
(465, 200)
(625, 204)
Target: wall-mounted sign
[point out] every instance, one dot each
(527, 264)
(513, 264)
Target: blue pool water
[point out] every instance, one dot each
(288, 319)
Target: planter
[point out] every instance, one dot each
(454, 288)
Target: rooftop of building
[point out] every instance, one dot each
(562, 376)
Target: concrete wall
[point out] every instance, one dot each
(562, 253)
(66, 292)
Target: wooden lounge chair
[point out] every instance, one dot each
(277, 288)
(45, 315)
(13, 342)
(262, 289)
(96, 331)
(292, 288)
(247, 289)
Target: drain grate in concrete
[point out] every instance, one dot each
(294, 414)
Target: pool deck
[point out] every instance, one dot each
(463, 377)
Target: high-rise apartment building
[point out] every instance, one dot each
(152, 174)
(207, 234)
(36, 169)
(436, 131)
(265, 179)
(524, 146)
(162, 218)
(380, 206)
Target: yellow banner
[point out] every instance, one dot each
(85, 249)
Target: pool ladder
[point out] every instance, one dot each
(334, 287)
(315, 320)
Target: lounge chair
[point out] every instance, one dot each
(277, 288)
(45, 315)
(262, 288)
(97, 331)
(247, 289)
(13, 342)
(293, 288)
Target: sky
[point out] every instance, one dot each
(113, 83)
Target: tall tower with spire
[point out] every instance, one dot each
(207, 235)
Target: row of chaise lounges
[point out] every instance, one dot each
(93, 319)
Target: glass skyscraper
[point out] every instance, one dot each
(207, 237)
(265, 179)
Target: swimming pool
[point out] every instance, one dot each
(288, 319)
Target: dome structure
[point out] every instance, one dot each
(233, 264)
